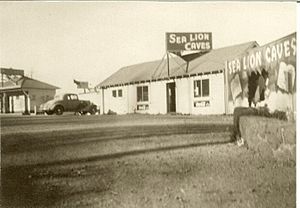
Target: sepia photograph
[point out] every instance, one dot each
(148, 104)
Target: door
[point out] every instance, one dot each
(71, 102)
(171, 97)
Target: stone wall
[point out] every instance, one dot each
(269, 137)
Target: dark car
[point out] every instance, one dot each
(68, 103)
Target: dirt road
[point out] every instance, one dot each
(135, 161)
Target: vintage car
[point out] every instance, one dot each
(68, 103)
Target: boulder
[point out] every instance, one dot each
(270, 137)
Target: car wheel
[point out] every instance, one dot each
(93, 111)
(59, 110)
(49, 112)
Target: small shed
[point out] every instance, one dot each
(19, 93)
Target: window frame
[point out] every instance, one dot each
(114, 93)
(142, 87)
(200, 93)
(120, 90)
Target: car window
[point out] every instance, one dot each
(74, 97)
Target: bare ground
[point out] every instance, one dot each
(163, 161)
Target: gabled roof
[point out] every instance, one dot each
(33, 83)
(26, 83)
(158, 70)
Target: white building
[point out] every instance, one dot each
(194, 87)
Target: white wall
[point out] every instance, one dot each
(184, 96)
(19, 103)
(131, 98)
(216, 95)
(116, 104)
(158, 101)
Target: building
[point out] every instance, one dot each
(19, 93)
(171, 85)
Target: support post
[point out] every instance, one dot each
(2, 111)
(168, 64)
(26, 104)
(5, 103)
(2, 84)
(103, 109)
(226, 89)
(187, 67)
(11, 104)
(2, 97)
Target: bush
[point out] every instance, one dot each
(110, 112)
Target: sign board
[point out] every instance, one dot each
(201, 41)
(10, 71)
(81, 85)
(277, 58)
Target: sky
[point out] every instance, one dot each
(57, 42)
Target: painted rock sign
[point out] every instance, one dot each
(201, 41)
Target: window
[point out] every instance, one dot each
(142, 94)
(205, 87)
(120, 93)
(74, 97)
(201, 88)
(114, 93)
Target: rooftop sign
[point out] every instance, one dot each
(201, 41)
(10, 71)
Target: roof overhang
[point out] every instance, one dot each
(10, 89)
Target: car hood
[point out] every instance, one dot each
(47, 104)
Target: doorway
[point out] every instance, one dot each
(171, 97)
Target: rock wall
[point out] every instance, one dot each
(271, 138)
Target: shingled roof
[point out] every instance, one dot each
(157, 70)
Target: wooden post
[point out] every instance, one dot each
(103, 109)
(168, 64)
(5, 103)
(2, 94)
(226, 89)
(27, 112)
(187, 67)
(12, 104)
(2, 100)
(2, 84)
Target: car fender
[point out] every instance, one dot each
(54, 105)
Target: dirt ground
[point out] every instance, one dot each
(136, 161)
